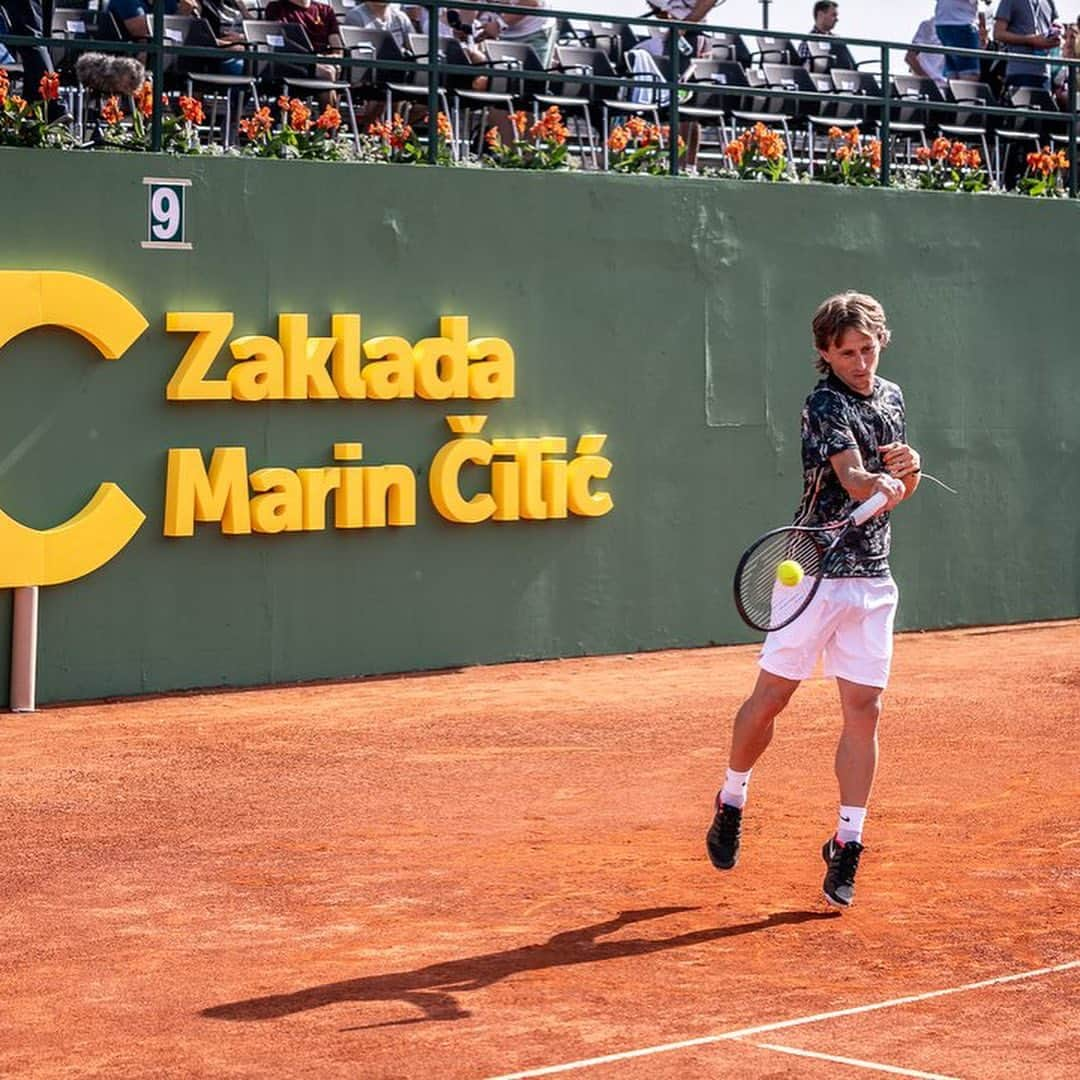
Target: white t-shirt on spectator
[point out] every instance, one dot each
(956, 12)
(932, 63)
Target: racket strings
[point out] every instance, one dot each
(766, 602)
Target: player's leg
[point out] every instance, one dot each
(859, 655)
(752, 733)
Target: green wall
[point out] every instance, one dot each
(671, 315)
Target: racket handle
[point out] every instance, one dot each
(866, 510)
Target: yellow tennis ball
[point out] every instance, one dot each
(789, 572)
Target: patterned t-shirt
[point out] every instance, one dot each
(836, 418)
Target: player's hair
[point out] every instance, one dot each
(843, 312)
(824, 5)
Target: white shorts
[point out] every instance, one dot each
(849, 623)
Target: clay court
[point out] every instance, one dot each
(500, 872)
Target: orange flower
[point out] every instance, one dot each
(843, 153)
(111, 112)
(635, 127)
(299, 115)
(192, 110)
(922, 154)
(492, 138)
(735, 150)
(835, 133)
(550, 127)
(18, 103)
(973, 160)
(330, 120)
(259, 124)
(49, 86)
(957, 155)
(618, 139)
(5, 86)
(283, 102)
(940, 148)
(875, 153)
(445, 130)
(1062, 161)
(853, 137)
(144, 98)
(521, 121)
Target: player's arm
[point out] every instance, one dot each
(860, 483)
(903, 462)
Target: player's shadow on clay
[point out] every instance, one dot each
(434, 989)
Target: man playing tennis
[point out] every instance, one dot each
(853, 446)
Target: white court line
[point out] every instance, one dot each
(876, 1065)
(742, 1033)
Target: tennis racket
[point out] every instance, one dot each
(763, 600)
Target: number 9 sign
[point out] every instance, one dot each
(166, 220)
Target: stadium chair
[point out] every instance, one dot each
(1026, 132)
(730, 47)
(710, 102)
(570, 60)
(919, 102)
(775, 50)
(406, 86)
(793, 114)
(970, 125)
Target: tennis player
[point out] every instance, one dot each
(853, 445)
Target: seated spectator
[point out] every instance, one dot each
(526, 28)
(826, 16)
(132, 14)
(319, 22)
(956, 22)
(926, 65)
(132, 17)
(389, 17)
(1027, 26)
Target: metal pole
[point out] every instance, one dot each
(1072, 131)
(886, 118)
(433, 85)
(24, 630)
(673, 101)
(765, 14)
(158, 67)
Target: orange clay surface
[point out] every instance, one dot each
(482, 872)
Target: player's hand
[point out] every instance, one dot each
(900, 460)
(891, 488)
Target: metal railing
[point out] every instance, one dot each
(435, 68)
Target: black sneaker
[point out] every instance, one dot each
(842, 861)
(722, 839)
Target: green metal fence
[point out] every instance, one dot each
(434, 68)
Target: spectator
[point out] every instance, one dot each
(132, 14)
(319, 21)
(826, 16)
(1027, 26)
(956, 22)
(526, 28)
(26, 19)
(132, 17)
(684, 11)
(389, 17)
(1070, 50)
(927, 65)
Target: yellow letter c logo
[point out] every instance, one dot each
(104, 526)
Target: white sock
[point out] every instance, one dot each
(733, 793)
(849, 825)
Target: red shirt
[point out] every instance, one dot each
(319, 20)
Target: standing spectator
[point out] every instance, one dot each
(826, 16)
(684, 11)
(1027, 26)
(957, 24)
(26, 18)
(927, 65)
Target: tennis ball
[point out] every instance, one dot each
(789, 572)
